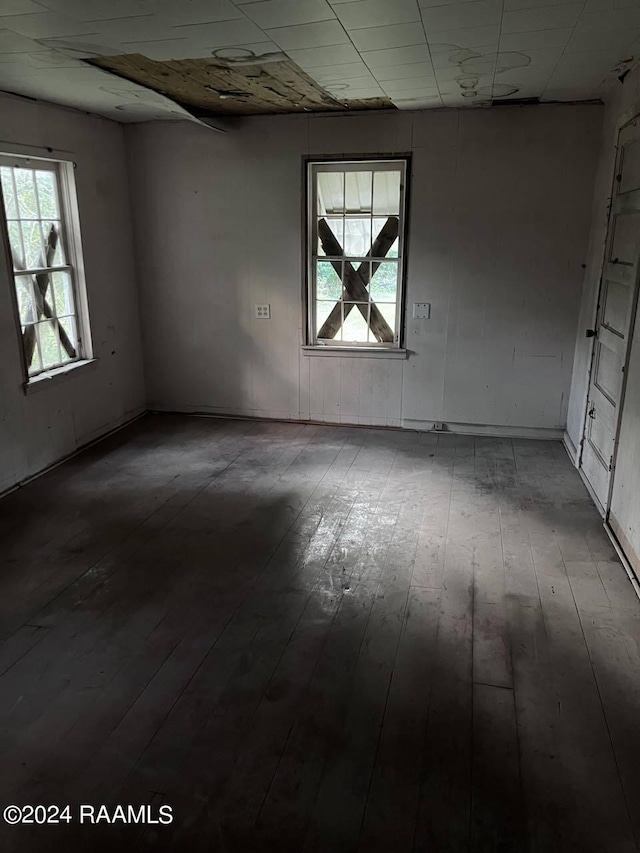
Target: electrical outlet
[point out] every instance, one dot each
(263, 312)
(421, 310)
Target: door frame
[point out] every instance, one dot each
(621, 126)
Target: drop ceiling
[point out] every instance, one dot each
(412, 54)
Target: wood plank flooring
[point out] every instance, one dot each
(317, 639)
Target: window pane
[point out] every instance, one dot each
(57, 259)
(330, 192)
(15, 242)
(47, 195)
(63, 293)
(8, 194)
(323, 309)
(358, 192)
(378, 225)
(388, 311)
(49, 344)
(384, 284)
(33, 245)
(357, 237)
(328, 282)
(386, 193)
(24, 293)
(336, 224)
(36, 364)
(355, 329)
(69, 326)
(27, 204)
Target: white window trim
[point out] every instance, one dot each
(70, 219)
(312, 346)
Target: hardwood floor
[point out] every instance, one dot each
(315, 639)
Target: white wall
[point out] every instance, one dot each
(38, 429)
(499, 218)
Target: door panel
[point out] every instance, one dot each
(624, 512)
(616, 305)
(617, 290)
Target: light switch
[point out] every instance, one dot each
(421, 310)
(263, 312)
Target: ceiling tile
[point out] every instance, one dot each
(45, 25)
(455, 57)
(377, 13)
(145, 28)
(359, 94)
(20, 7)
(620, 39)
(461, 16)
(417, 103)
(288, 13)
(512, 5)
(11, 42)
(405, 72)
(322, 34)
(537, 40)
(319, 57)
(428, 4)
(382, 38)
(397, 56)
(193, 11)
(222, 34)
(425, 90)
(337, 72)
(104, 10)
(610, 19)
(603, 5)
(541, 18)
(458, 39)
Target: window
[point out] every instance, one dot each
(355, 250)
(43, 260)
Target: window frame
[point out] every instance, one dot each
(74, 266)
(312, 167)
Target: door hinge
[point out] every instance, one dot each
(611, 463)
(590, 333)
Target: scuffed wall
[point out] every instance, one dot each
(498, 224)
(38, 429)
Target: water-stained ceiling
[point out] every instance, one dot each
(140, 59)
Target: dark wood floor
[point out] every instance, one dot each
(314, 638)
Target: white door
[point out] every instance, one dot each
(616, 304)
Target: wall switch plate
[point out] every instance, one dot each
(421, 310)
(263, 312)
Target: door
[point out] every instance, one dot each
(616, 304)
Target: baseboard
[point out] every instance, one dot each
(409, 424)
(570, 447)
(490, 430)
(120, 424)
(623, 558)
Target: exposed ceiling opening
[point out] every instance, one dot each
(212, 87)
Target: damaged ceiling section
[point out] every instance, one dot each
(233, 83)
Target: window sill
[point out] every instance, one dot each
(355, 352)
(59, 374)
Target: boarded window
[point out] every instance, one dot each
(356, 237)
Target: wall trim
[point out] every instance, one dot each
(570, 447)
(120, 423)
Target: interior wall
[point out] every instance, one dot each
(499, 217)
(42, 427)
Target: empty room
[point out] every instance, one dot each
(320, 426)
